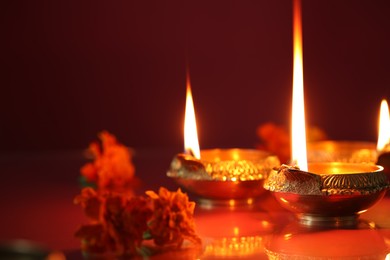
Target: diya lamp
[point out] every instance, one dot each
(357, 151)
(321, 193)
(225, 176)
(383, 145)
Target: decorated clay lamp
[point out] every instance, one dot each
(219, 175)
(383, 146)
(356, 151)
(319, 193)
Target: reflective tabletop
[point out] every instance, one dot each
(39, 217)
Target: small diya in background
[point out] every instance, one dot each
(328, 193)
(383, 146)
(342, 151)
(384, 160)
(226, 175)
(357, 151)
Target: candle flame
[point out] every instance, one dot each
(384, 127)
(298, 131)
(191, 143)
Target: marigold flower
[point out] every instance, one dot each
(94, 237)
(172, 221)
(112, 167)
(119, 223)
(276, 139)
(91, 202)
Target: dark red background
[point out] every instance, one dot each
(72, 68)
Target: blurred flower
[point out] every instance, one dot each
(276, 139)
(91, 202)
(112, 167)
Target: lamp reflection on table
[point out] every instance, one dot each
(230, 233)
(362, 241)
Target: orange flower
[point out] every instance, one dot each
(112, 167)
(126, 221)
(276, 139)
(172, 221)
(119, 223)
(91, 202)
(95, 239)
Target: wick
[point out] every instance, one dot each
(189, 152)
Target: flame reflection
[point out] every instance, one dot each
(235, 247)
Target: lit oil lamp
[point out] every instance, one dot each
(356, 151)
(319, 193)
(342, 151)
(227, 175)
(383, 146)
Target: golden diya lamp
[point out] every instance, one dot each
(383, 145)
(357, 151)
(328, 193)
(332, 193)
(219, 175)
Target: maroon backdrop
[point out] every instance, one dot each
(72, 68)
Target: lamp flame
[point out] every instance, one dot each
(384, 127)
(298, 131)
(191, 143)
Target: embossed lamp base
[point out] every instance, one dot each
(334, 195)
(225, 175)
(328, 210)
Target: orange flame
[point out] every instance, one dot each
(191, 143)
(384, 127)
(298, 132)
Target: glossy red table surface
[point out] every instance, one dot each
(37, 190)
